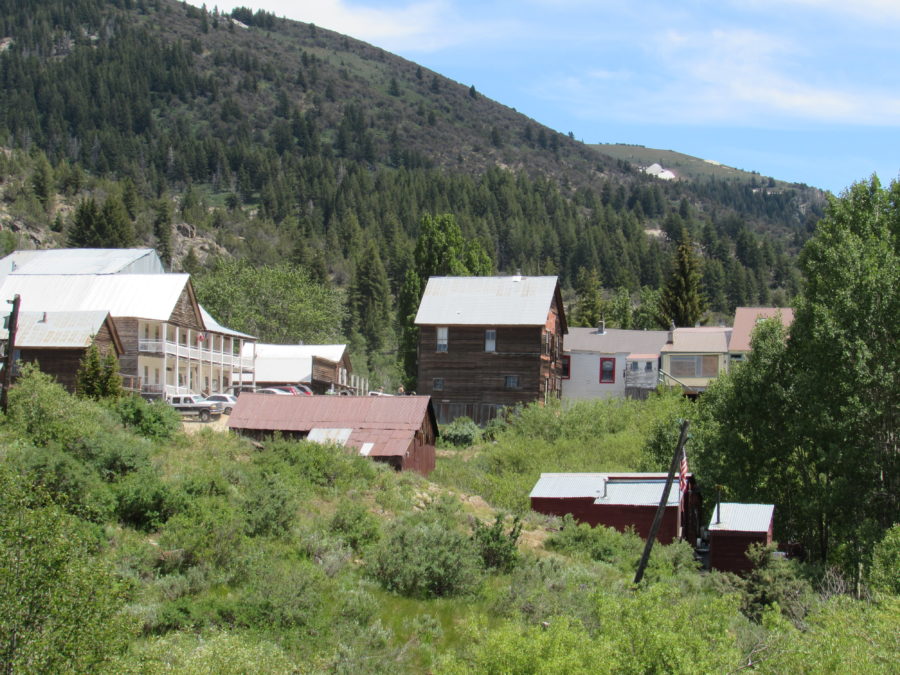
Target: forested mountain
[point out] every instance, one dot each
(283, 142)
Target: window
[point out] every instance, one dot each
(438, 384)
(607, 371)
(706, 365)
(634, 366)
(566, 367)
(511, 381)
(648, 366)
(442, 339)
(490, 340)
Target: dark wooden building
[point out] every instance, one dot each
(733, 529)
(489, 342)
(57, 341)
(620, 500)
(397, 430)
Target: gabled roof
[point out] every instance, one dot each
(122, 295)
(83, 261)
(623, 489)
(615, 341)
(489, 301)
(746, 318)
(742, 517)
(706, 340)
(387, 422)
(63, 330)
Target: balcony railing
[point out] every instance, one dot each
(193, 353)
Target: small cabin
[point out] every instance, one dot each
(621, 501)
(733, 529)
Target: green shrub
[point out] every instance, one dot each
(144, 501)
(884, 574)
(156, 420)
(72, 484)
(283, 594)
(269, 506)
(354, 524)
(603, 544)
(424, 555)
(497, 548)
(461, 432)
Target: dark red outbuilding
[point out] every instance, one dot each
(619, 500)
(733, 529)
(397, 430)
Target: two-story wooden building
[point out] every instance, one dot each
(489, 342)
(169, 343)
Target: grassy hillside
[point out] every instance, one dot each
(150, 551)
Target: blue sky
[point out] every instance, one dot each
(802, 90)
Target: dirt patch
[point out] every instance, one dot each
(193, 425)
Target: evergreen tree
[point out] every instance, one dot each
(42, 182)
(681, 302)
(162, 229)
(89, 380)
(620, 310)
(370, 299)
(589, 303)
(83, 233)
(110, 379)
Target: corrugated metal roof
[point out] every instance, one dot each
(615, 341)
(388, 422)
(131, 295)
(706, 340)
(743, 517)
(623, 488)
(56, 329)
(216, 327)
(302, 413)
(486, 301)
(746, 318)
(639, 493)
(330, 352)
(83, 261)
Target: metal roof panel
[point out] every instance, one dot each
(742, 517)
(487, 301)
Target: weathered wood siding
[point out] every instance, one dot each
(62, 364)
(185, 313)
(127, 327)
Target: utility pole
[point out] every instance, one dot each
(9, 359)
(661, 509)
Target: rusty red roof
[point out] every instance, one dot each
(746, 318)
(387, 422)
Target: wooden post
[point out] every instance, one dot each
(661, 509)
(9, 360)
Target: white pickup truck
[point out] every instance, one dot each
(193, 405)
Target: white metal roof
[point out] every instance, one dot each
(83, 261)
(269, 351)
(56, 329)
(486, 301)
(614, 341)
(604, 488)
(131, 295)
(743, 517)
(216, 327)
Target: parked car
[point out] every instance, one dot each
(226, 400)
(194, 405)
(297, 390)
(273, 390)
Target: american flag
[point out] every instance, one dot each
(683, 472)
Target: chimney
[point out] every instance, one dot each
(601, 326)
(43, 318)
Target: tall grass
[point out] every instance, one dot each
(586, 436)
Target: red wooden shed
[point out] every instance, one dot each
(397, 430)
(618, 500)
(733, 529)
